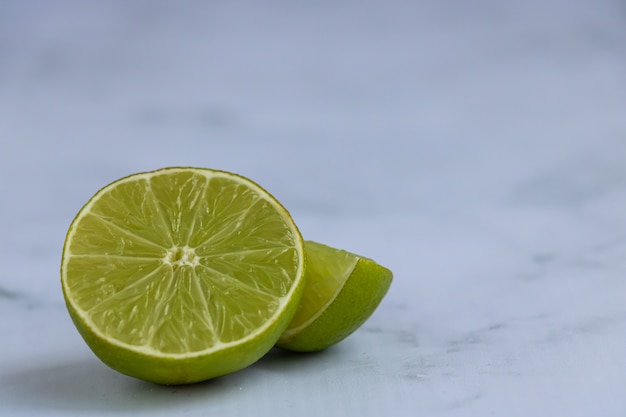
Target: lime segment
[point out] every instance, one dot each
(342, 291)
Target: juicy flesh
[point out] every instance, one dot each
(180, 263)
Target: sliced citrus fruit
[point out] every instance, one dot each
(342, 290)
(182, 274)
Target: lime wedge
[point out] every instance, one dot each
(342, 291)
(182, 274)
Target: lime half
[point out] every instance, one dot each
(342, 291)
(182, 274)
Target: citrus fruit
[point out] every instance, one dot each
(182, 274)
(342, 290)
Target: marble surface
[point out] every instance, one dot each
(478, 149)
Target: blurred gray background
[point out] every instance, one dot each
(476, 148)
(339, 108)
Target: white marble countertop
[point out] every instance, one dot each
(477, 150)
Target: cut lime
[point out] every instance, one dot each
(342, 291)
(182, 274)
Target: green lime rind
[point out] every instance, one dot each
(176, 370)
(353, 305)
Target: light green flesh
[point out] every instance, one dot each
(196, 261)
(327, 270)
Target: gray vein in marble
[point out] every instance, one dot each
(587, 326)
(475, 337)
(9, 295)
(26, 301)
(576, 182)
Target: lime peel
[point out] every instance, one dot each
(359, 288)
